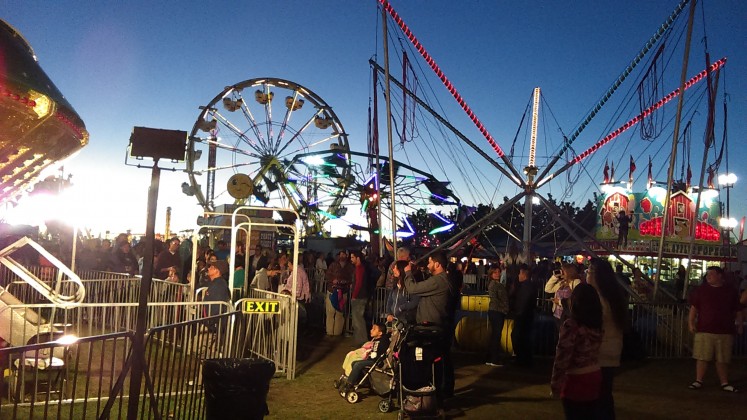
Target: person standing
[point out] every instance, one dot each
(679, 284)
(512, 260)
(222, 251)
(614, 313)
(623, 224)
(217, 288)
(714, 312)
(261, 278)
(434, 293)
(339, 276)
(497, 311)
(523, 312)
(359, 297)
(303, 291)
(576, 376)
(257, 259)
(400, 305)
(168, 260)
(403, 254)
(321, 269)
(122, 260)
(561, 285)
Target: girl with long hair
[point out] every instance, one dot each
(576, 376)
(614, 317)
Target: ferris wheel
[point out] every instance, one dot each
(243, 145)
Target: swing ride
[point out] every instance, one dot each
(38, 125)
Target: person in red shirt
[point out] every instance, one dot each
(359, 297)
(714, 312)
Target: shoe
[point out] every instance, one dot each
(695, 385)
(727, 387)
(338, 382)
(493, 364)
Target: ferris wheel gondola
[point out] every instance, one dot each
(243, 145)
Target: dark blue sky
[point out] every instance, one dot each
(144, 63)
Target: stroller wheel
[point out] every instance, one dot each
(352, 397)
(384, 406)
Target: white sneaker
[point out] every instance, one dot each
(493, 364)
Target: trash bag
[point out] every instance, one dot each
(237, 388)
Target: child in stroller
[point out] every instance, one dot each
(377, 372)
(359, 360)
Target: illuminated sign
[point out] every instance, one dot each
(261, 306)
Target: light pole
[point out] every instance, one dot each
(727, 223)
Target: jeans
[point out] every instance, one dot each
(444, 369)
(496, 328)
(356, 373)
(357, 311)
(606, 401)
(521, 338)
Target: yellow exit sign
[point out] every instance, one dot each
(261, 306)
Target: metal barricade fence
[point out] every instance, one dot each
(174, 356)
(270, 336)
(662, 329)
(174, 351)
(63, 381)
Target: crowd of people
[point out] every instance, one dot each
(589, 306)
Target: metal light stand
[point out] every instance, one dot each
(155, 144)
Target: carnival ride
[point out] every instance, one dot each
(642, 107)
(296, 156)
(38, 125)
(300, 156)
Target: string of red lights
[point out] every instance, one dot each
(695, 79)
(445, 80)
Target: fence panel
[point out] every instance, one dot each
(270, 336)
(63, 381)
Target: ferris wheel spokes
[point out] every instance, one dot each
(292, 103)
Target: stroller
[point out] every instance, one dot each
(380, 377)
(419, 352)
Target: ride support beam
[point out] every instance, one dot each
(636, 60)
(449, 86)
(630, 124)
(476, 228)
(442, 120)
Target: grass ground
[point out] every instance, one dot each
(654, 389)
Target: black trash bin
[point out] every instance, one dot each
(237, 388)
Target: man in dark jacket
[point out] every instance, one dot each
(523, 312)
(435, 293)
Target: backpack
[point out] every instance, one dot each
(338, 299)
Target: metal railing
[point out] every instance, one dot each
(76, 380)
(270, 336)
(63, 381)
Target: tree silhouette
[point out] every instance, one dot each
(545, 229)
